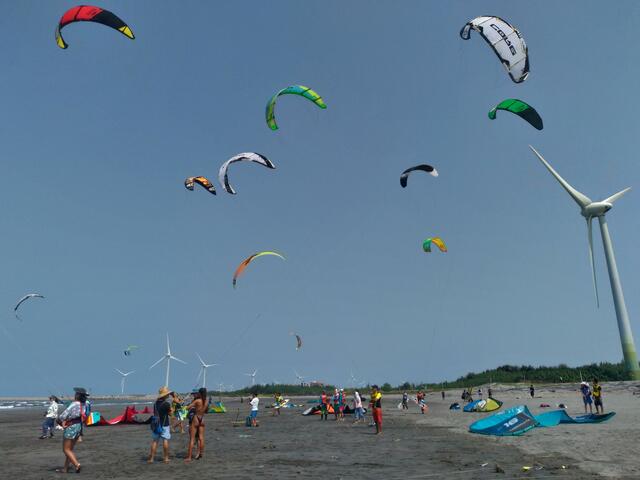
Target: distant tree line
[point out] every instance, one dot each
(604, 371)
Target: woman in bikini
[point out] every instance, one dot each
(196, 427)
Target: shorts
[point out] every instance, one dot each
(377, 415)
(165, 434)
(72, 432)
(587, 400)
(597, 401)
(253, 414)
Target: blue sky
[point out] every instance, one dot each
(96, 142)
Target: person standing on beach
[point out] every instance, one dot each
(342, 403)
(597, 396)
(420, 398)
(255, 401)
(490, 392)
(357, 405)
(178, 412)
(196, 427)
(278, 401)
(162, 412)
(532, 391)
(442, 394)
(50, 418)
(376, 408)
(71, 421)
(336, 404)
(586, 396)
(405, 401)
(324, 405)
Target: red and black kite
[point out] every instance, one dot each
(87, 13)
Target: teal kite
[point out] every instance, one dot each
(301, 90)
(520, 108)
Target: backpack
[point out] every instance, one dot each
(154, 423)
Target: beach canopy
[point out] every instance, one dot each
(488, 405)
(518, 420)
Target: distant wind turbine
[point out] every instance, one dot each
(124, 376)
(590, 209)
(253, 377)
(299, 377)
(168, 357)
(203, 370)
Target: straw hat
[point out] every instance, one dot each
(164, 392)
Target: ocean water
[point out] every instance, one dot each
(42, 404)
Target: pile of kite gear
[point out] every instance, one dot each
(519, 420)
(488, 405)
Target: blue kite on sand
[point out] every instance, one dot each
(519, 420)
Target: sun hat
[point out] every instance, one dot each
(81, 390)
(164, 392)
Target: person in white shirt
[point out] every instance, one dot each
(50, 418)
(357, 405)
(254, 409)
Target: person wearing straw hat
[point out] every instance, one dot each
(161, 425)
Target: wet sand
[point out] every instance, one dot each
(436, 445)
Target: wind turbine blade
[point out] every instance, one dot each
(199, 375)
(200, 358)
(132, 371)
(168, 348)
(581, 199)
(177, 359)
(593, 266)
(616, 196)
(120, 372)
(156, 363)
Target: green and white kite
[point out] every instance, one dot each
(301, 90)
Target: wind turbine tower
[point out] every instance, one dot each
(590, 210)
(168, 357)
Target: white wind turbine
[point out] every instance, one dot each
(203, 370)
(168, 357)
(253, 377)
(590, 209)
(124, 376)
(299, 377)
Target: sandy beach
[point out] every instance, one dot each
(435, 445)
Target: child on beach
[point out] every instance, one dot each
(196, 426)
(255, 401)
(71, 421)
(162, 414)
(50, 418)
(586, 396)
(405, 401)
(597, 396)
